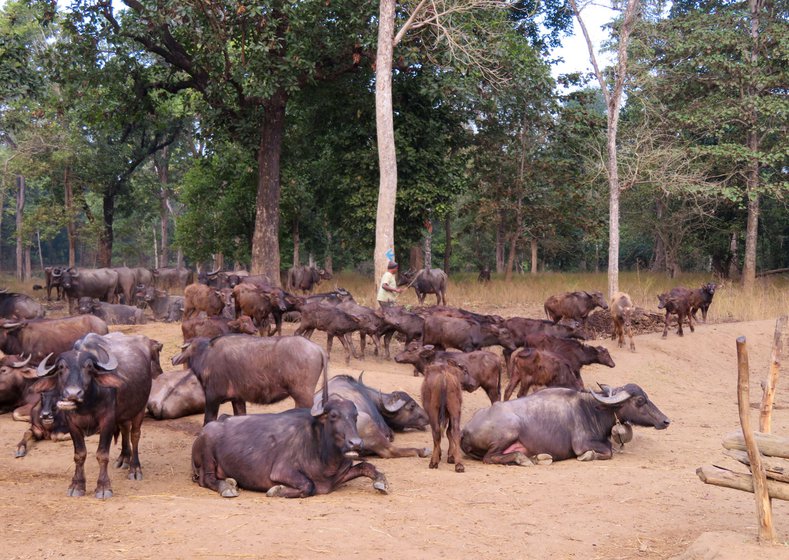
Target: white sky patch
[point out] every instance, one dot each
(574, 50)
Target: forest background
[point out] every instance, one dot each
(155, 133)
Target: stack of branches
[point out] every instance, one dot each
(600, 325)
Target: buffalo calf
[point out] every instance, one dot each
(442, 399)
(621, 315)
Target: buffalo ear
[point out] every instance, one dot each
(392, 402)
(43, 384)
(317, 408)
(29, 373)
(109, 380)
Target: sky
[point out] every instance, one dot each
(574, 50)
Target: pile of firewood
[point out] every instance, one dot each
(600, 325)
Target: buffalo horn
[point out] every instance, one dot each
(620, 397)
(74, 272)
(360, 378)
(109, 364)
(214, 273)
(42, 370)
(392, 403)
(11, 325)
(23, 363)
(57, 272)
(3, 290)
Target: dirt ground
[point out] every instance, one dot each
(645, 503)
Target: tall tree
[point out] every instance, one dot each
(613, 101)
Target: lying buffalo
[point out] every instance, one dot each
(294, 454)
(240, 368)
(111, 313)
(556, 424)
(46, 422)
(19, 306)
(175, 394)
(40, 337)
(379, 414)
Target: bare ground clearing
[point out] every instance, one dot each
(645, 503)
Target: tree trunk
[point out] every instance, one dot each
(265, 240)
(296, 256)
(20, 210)
(752, 226)
(511, 257)
(107, 236)
(534, 255)
(40, 253)
(71, 229)
(328, 262)
(613, 204)
(28, 272)
(163, 170)
(429, 246)
(415, 259)
(500, 245)
(179, 259)
(659, 252)
(219, 261)
(387, 160)
(734, 264)
(447, 241)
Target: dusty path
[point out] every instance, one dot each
(645, 503)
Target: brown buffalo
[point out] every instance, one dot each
(40, 337)
(622, 309)
(464, 334)
(529, 367)
(175, 394)
(333, 321)
(576, 353)
(679, 305)
(574, 306)
(442, 399)
(210, 327)
(199, 297)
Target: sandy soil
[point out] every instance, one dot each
(645, 503)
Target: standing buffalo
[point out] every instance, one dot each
(464, 334)
(622, 310)
(127, 280)
(676, 304)
(379, 413)
(54, 279)
(305, 278)
(103, 382)
(426, 281)
(573, 305)
(40, 337)
(556, 424)
(169, 278)
(529, 367)
(199, 297)
(240, 368)
(111, 313)
(293, 454)
(443, 400)
(101, 283)
(19, 306)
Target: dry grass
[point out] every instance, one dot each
(525, 294)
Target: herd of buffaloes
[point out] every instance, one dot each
(70, 377)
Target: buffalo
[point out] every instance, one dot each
(379, 414)
(46, 422)
(332, 320)
(240, 368)
(556, 424)
(676, 304)
(442, 398)
(40, 337)
(111, 313)
(464, 334)
(172, 278)
(103, 385)
(164, 307)
(294, 454)
(101, 283)
(305, 278)
(54, 279)
(622, 310)
(175, 394)
(529, 367)
(199, 297)
(426, 281)
(574, 306)
(19, 306)
(127, 280)
(216, 326)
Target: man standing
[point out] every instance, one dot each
(388, 290)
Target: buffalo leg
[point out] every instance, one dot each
(291, 484)
(513, 383)
(377, 443)
(204, 468)
(103, 485)
(435, 458)
(592, 450)
(239, 407)
(387, 341)
(135, 468)
(362, 344)
(366, 469)
(124, 459)
(211, 409)
(665, 327)
(690, 323)
(494, 393)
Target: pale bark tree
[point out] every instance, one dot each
(20, 241)
(613, 100)
(436, 15)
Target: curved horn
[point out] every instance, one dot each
(215, 272)
(74, 272)
(618, 398)
(57, 272)
(22, 363)
(3, 290)
(11, 325)
(109, 364)
(360, 378)
(42, 370)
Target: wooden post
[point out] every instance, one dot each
(766, 410)
(763, 504)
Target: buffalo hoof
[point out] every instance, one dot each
(228, 488)
(460, 468)
(588, 456)
(75, 492)
(523, 460)
(103, 494)
(424, 452)
(135, 474)
(433, 465)
(542, 459)
(122, 462)
(276, 491)
(22, 451)
(380, 483)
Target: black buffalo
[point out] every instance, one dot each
(103, 386)
(556, 424)
(111, 313)
(305, 278)
(379, 414)
(101, 283)
(426, 281)
(19, 306)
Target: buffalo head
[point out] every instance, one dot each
(632, 405)
(338, 418)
